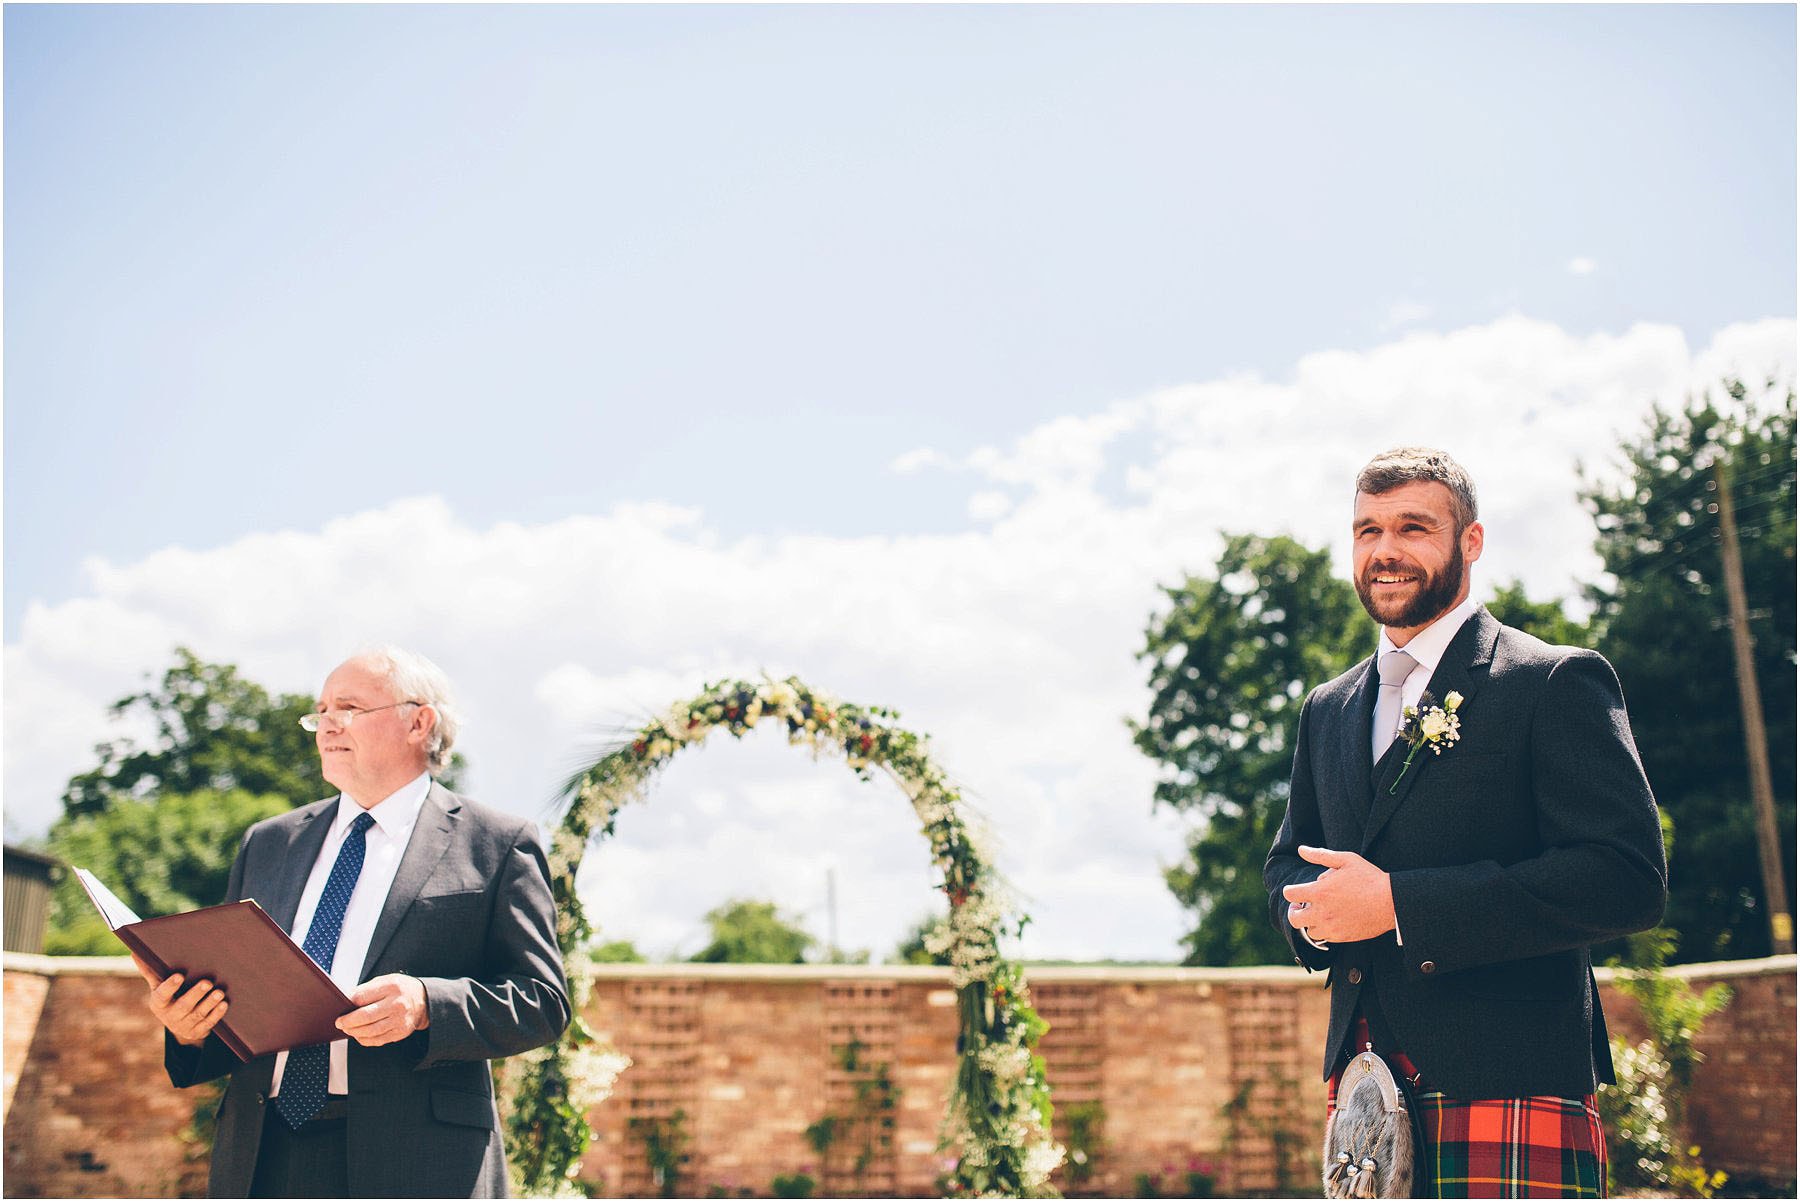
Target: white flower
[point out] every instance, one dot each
(1452, 699)
(1435, 724)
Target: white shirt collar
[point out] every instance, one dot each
(1428, 646)
(395, 814)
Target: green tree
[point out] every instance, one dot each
(160, 856)
(1545, 619)
(1662, 621)
(1230, 664)
(752, 932)
(615, 951)
(213, 730)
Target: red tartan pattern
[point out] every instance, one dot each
(1541, 1147)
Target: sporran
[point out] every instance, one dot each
(1370, 1137)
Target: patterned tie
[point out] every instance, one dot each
(1395, 667)
(308, 1069)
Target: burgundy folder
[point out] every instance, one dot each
(277, 997)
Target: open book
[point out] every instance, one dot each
(278, 997)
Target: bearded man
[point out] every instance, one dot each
(1468, 816)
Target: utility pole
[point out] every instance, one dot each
(831, 908)
(1756, 739)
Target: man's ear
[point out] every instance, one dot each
(425, 719)
(1473, 539)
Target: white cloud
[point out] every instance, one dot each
(1582, 266)
(1011, 643)
(1404, 313)
(989, 506)
(918, 460)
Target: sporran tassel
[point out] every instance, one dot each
(1365, 1180)
(1334, 1180)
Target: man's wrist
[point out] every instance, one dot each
(423, 1021)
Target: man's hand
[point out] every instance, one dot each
(191, 1016)
(392, 1007)
(1352, 900)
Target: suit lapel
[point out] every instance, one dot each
(430, 839)
(1462, 670)
(305, 841)
(1359, 719)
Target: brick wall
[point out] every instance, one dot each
(92, 1114)
(1189, 1065)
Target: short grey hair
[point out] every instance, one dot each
(1421, 465)
(415, 678)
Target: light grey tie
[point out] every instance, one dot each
(1394, 668)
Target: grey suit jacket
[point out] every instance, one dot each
(470, 914)
(1529, 840)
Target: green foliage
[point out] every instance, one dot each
(615, 951)
(161, 856)
(1672, 1012)
(1275, 1121)
(1084, 1124)
(1645, 1112)
(752, 932)
(214, 730)
(665, 1143)
(1662, 621)
(794, 1185)
(1230, 665)
(867, 1126)
(1544, 619)
(913, 948)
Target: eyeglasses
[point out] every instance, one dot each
(344, 717)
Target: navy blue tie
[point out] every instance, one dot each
(308, 1070)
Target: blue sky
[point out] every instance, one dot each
(764, 291)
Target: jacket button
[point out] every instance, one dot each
(1427, 966)
(1356, 976)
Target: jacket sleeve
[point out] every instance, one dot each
(1600, 873)
(521, 1001)
(1299, 825)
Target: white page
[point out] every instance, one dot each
(116, 912)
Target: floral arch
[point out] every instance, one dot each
(997, 1118)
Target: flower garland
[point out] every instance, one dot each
(997, 1120)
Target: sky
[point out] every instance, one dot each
(599, 352)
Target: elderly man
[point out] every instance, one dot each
(432, 913)
(1467, 817)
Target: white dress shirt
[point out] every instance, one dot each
(395, 816)
(1427, 648)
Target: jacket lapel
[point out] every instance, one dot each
(430, 840)
(1462, 670)
(305, 841)
(1359, 719)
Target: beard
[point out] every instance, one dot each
(1435, 596)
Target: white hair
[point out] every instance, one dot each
(415, 678)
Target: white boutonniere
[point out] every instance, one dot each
(1428, 725)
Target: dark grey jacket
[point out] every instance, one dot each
(469, 914)
(1527, 841)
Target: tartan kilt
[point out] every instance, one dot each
(1539, 1147)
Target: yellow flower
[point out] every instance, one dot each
(1451, 701)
